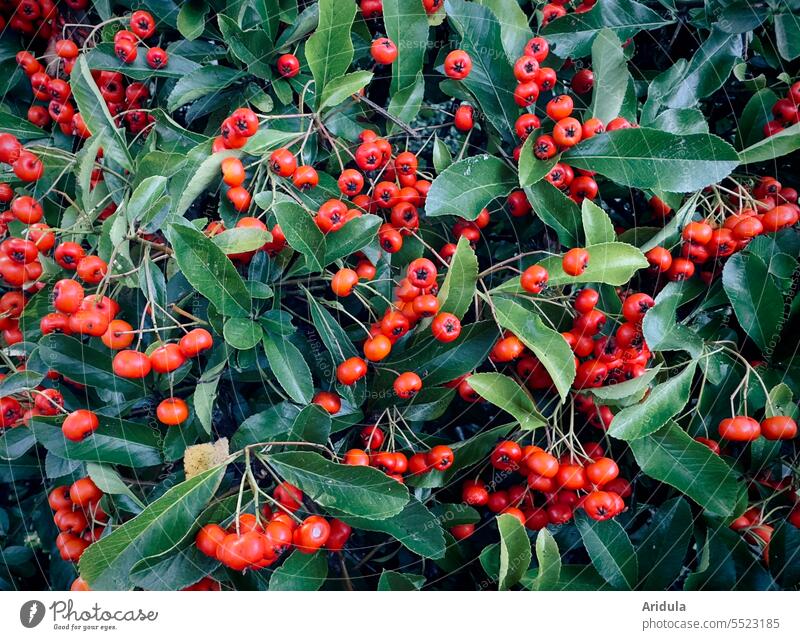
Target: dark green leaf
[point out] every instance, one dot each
(549, 561)
(458, 288)
(653, 159)
(548, 345)
(359, 491)
(780, 144)
(106, 564)
(515, 551)
(210, 271)
(242, 333)
(663, 402)
(467, 186)
(396, 581)
(671, 456)
(329, 51)
(663, 545)
(556, 210)
(491, 80)
(201, 82)
(755, 298)
(300, 572)
(115, 442)
(81, 363)
(572, 35)
(506, 393)
(610, 550)
(96, 115)
(301, 232)
(289, 368)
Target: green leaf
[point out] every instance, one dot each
(95, 114)
(548, 345)
(300, 572)
(706, 72)
(415, 527)
(680, 121)
(359, 491)
(210, 271)
(20, 128)
(572, 578)
(458, 288)
(672, 456)
(192, 18)
(289, 368)
(515, 551)
(109, 481)
(597, 226)
(106, 564)
(272, 424)
(663, 546)
(491, 80)
(16, 442)
(201, 82)
(780, 144)
(241, 239)
(340, 89)
(301, 232)
(247, 45)
(442, 158)
(787, 35)
(406, 25)
(572, 35)
(755, 298)
(514, 29)
(531, 169)
(79, 362)
(329, 51)
(549, 560)
(396, 581)
(20, 381)
(115, 442)
(467, 186)
(653, 159)
(242, 333)
(506, 393)
(663, 333)
(610, 550)
(205, 391)
(784, 554)
(663, 403)
(556, 210)
(611, 76)
(356, 235)
(312, 424)
(627, 389)
(171, 570)
(147, 199)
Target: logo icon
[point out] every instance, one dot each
(31, 613)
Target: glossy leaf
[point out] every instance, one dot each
(506, 393)
(289, 368)
(467, 186)
(609, 549)
(458, 288)
(329, 50)
(515, 551)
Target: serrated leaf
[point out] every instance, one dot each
(106, 564)
(467, 186)
(609, 549)
(515, 551)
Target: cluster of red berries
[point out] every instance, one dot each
(78, 516)
(786, 111)
(754, 525)
(254, 542)
(396, 463)
(562, 485)
(707, 243)
(236, 129)
(126, 42)
(26, 165)
(35, 18)
(417, 301)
